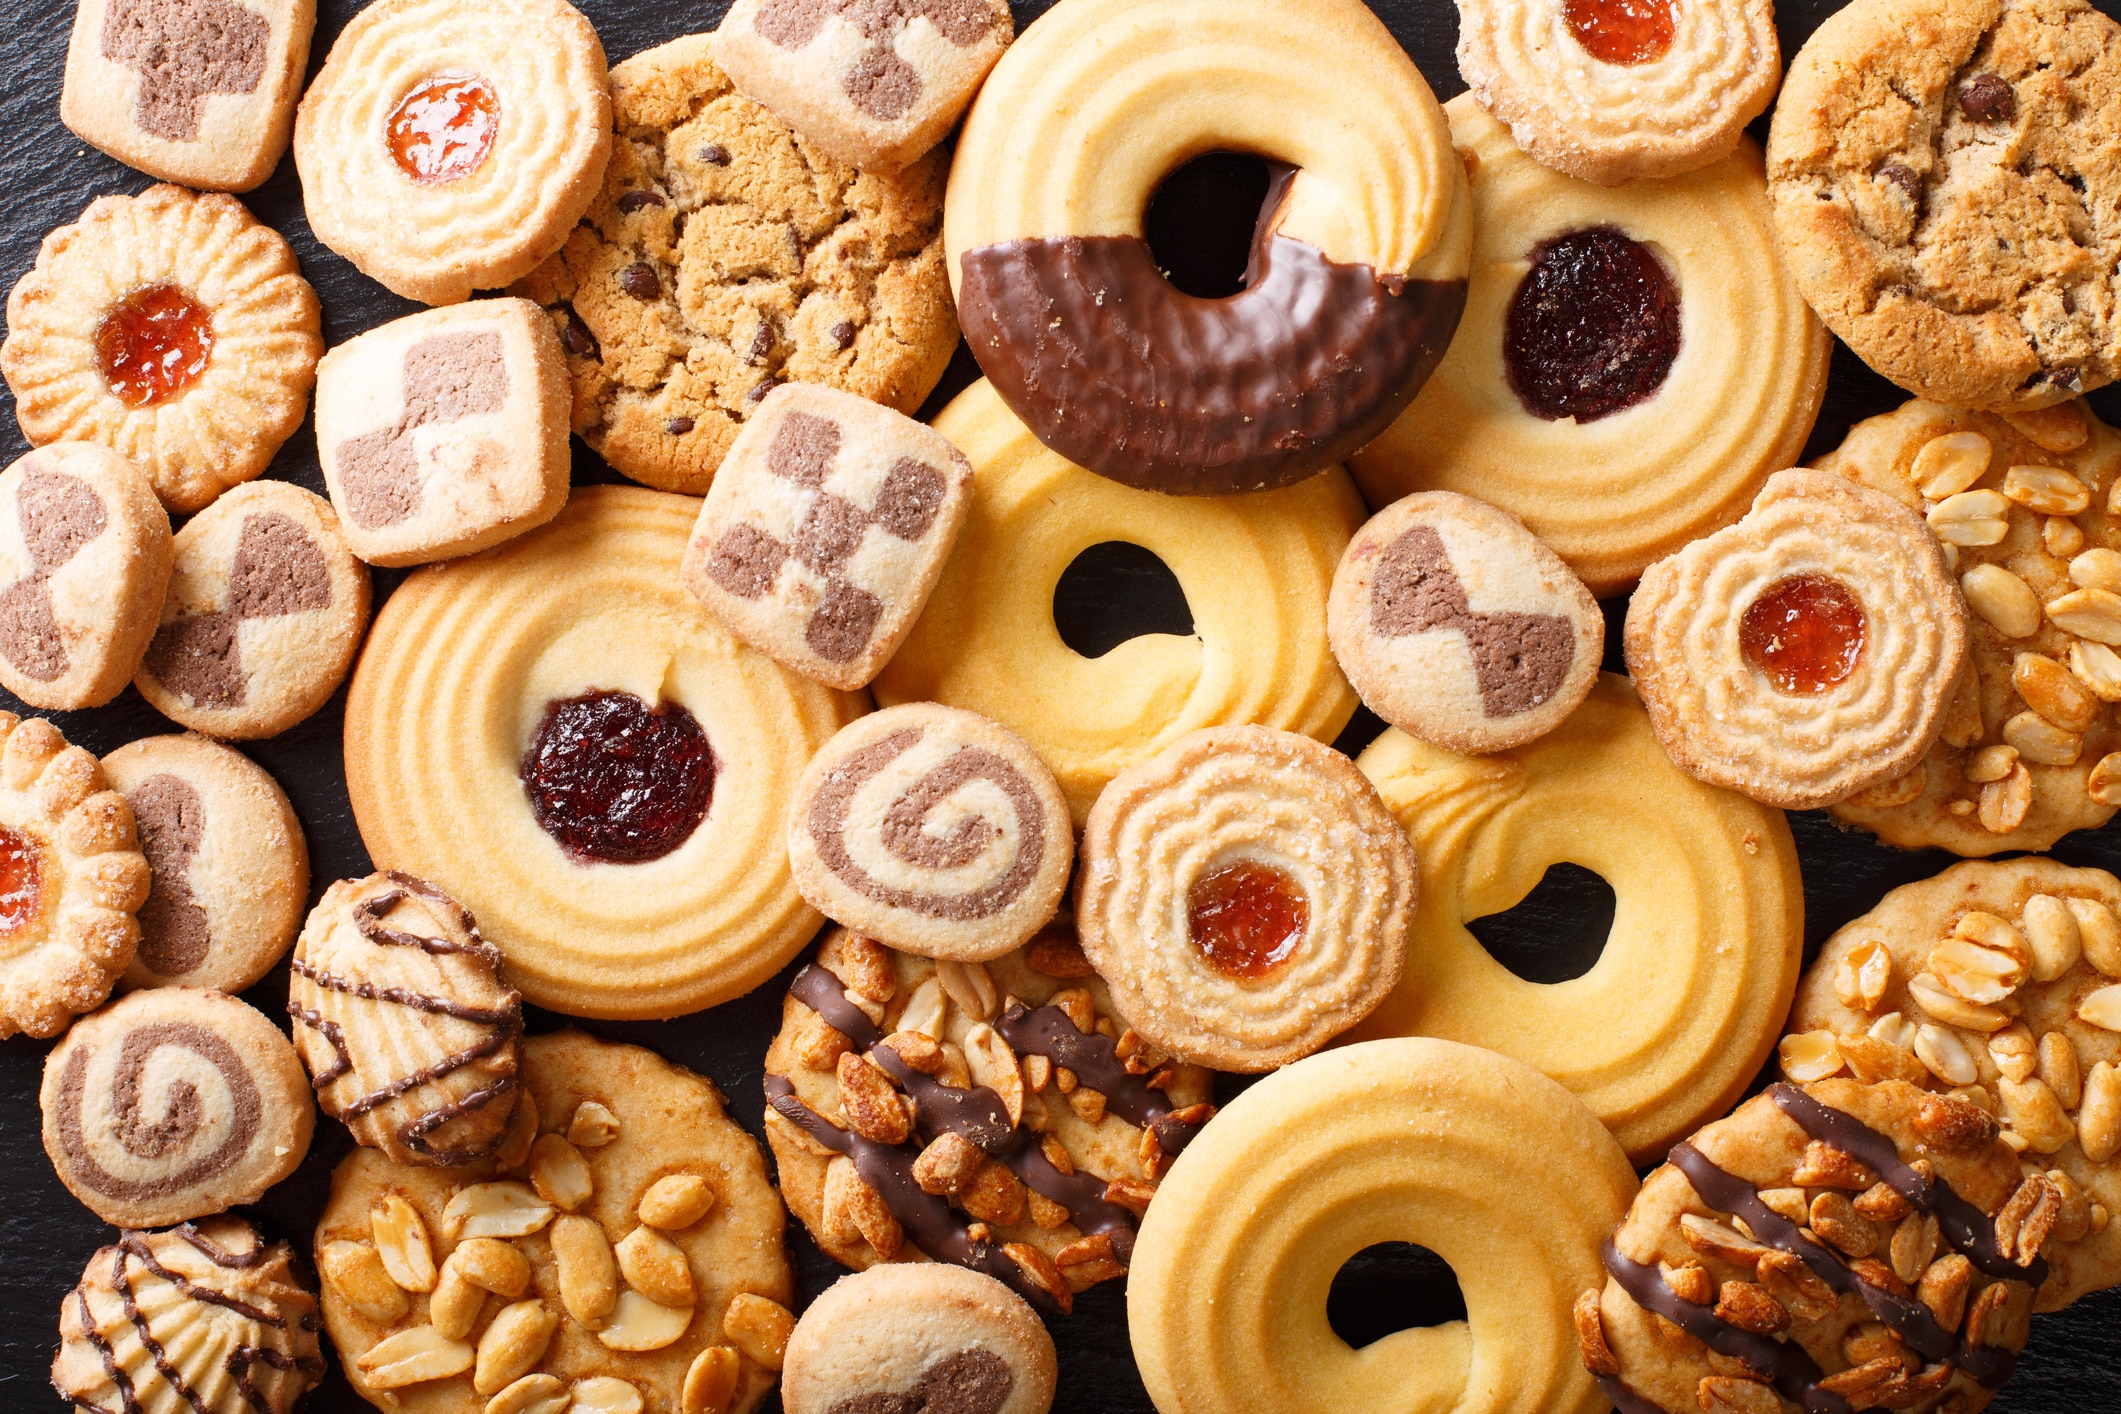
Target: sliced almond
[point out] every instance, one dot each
(413, 1357)
(357, 1274)
(638, 1323)
(402, 1243)
(504, 1208)
(676, 1201)
(656, 1267)
(759, 1327)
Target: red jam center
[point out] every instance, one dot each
(153, 344)
(1622, 31)
(1246, 918)
(1593, 328)
(1804, 635)
(616, 781)
(21, 880)
(443, 130)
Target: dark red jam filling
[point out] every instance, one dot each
(1804, 635)
(1593, 328)
(616, 781)
(21, 880)
(1246, 918)
(1621, 31)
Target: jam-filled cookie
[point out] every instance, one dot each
(875, 85)
(1995, 982)
(174, 329)
(725, 256)
(1613, 91)
(1255, 570)
(622, 1253)
(1943, 199)
(265, 608)
(200, 92)
(629, 764)
(2021, 503)
(1806, 653)
(922, 1336)
(826, 529)
(934, 830)
(206, 1316)
(230, 864)
(1039, 1123)
(449, 146)
(1835, 1246)
(1358, 267)
(171, 1103)
(1457, 625)
(1632, 364)
(1246, 895)
(445, 432)
(85, 554)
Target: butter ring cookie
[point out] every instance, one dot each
(1256, 570)
(1492, 1166)
(1680, 1011)
(1632, 364)
(1247, 896)
(1805, 653)
(650, 895)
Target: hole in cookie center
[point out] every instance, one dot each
(1621, 31)
(1117, 591)
(442, 131)
(1556, 932)
(1804, 635)
(1246, 917)
(1393, 1286)
(1201, 219)
(153, 344)
(616, 781)
(21, 880)
(1593, 328)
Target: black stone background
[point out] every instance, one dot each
(47, 175)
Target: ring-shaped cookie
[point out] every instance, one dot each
(458, 675)
(1490, 1165)
(1708, 926)
(1358, 270)
(1256, 571)
(1617, 492)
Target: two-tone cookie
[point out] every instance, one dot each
(85, 553)
(445, 432)
(265, 608)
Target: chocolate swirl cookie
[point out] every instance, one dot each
(919, 1338)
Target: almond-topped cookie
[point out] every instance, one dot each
(997, 1115)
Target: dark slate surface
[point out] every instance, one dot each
(45, 1236)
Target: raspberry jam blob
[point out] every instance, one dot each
(1804, 635)
(1246, 918)
(616, 781)
(443, 130)
(1593, 327)
(21, 880)
(153, 344)
(1621, 31)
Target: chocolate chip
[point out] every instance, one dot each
(1903, 177)
(2063, 377)
(843, 335)
(576, 338)
(761, 343)
(638, 280)
(634, 200)
(679, 426)
(714, 155)
(1988, 99)
(766, 385)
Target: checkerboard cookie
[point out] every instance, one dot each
(827, 527)
(445, 432)
(872, 84)
(200, 92)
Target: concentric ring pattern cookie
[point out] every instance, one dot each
(650, 891)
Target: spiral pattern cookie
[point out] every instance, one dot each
(922, 1336)
(648, 891)
(1632, 364)
(1994, 982)
(1613, 91)
(1487, 1163)
(172, 1103)
(206, 1318)
(1246, 895)
(933, 830)
(447, 147)
(1256, 571)
(1806, 653)
(85, 554)
(113, 338)
(72, 879)
(1680, 1011)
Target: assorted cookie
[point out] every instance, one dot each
(172, 328)
(444, 433)
(1458, 626)
(725, 256)
(826, 529)
(85, 553)
(447, 147)
(266, 606)
(173, 1103)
